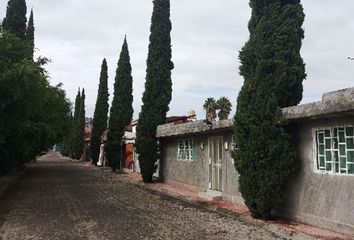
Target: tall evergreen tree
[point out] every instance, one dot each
(15, 20)
(100, 115)
(71, 136)
(158, 88)
(76, 134)
(121, 112)
(82, 123)
(273, 71)
(30, 31)
(77, 105)
(67, 144)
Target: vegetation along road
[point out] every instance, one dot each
(61, 199)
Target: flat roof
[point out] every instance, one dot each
(172, 129)
(334, 104)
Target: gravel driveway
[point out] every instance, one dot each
(60, 199)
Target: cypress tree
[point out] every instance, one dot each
(30, 31)
(100, 115)
(70, 135)
(76, 136)
(67, 145)
(273, 71)
(77, 105)
(15, 19)
(121, 112)
(158, 89)
(82, 124)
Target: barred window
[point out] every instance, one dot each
(335, 150)
(186, 150)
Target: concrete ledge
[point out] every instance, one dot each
(235, 199)
(210, 195)
(172, 129)
(336, 103)
(333, 103)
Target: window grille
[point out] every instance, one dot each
(186, 150)
(335, 150)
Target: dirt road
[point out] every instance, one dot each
(60, 199)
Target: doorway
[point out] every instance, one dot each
(215, 152)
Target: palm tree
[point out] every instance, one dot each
(225, 106)
(210, 107)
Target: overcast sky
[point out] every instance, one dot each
(206, 38)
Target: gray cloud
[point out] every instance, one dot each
(206, 37)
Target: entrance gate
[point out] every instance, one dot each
(215, 152)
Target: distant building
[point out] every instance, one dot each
(130, 161)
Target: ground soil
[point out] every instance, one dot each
(62, 199)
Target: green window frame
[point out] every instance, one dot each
(334, 150)
(186, 150)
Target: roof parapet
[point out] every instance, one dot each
(341, 101)
(172, 129)
(333, 104)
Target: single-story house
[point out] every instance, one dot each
(130, 161)
(321, 193)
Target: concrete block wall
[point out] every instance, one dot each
(311, 197)
(320, 199)
(196, 173)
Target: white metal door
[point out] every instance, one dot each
(215, 146)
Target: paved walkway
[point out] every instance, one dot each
(62, 199)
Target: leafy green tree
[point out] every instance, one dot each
(15, 20)
(121, 112)
(273, 71)
(16, 82)
(100, 115)
(30, 31)
(34, 115)
(158, 89)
